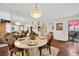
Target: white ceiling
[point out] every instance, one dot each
(49, 10)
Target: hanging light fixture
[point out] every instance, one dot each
(36, 13)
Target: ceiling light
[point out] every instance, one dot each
(36, 13)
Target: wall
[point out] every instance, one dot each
(59, 35)
(49, 27)
(19, 19)
(8, 27)
(4, 15)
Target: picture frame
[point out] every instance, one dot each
(59, 26)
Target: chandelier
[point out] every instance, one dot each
(36, 13)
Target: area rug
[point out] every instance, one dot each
(54, 51)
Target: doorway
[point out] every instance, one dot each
(73, 31)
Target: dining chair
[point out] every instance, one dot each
(3, 46)
(4, 51)
(25, 34)
(2, 40)
(48, 45)
(10, 40)
(22, 35)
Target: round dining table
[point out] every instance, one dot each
(33, 50)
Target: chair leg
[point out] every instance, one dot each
(27, 52)
(40, 51)
(23, 53)
(50, 49)
(11, 53)
(15, 52)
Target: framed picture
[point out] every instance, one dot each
(59, 26)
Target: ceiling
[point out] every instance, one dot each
(49, 10)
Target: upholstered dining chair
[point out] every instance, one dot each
(25, 34)
(49, 37)
(3, 46)
(10, 40)
(4, 51)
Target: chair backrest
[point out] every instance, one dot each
(2, 35)
(26, 33)
(2, 38)
(10, 40)
(50, 37)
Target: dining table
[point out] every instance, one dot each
(33, 50)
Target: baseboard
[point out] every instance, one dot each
(60, 40)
